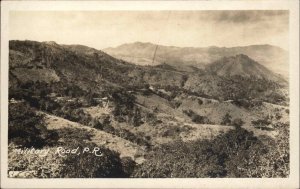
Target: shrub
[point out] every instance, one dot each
(128, 166)
(150, 118)
(177, 104)
(200, 102)
(137, 117)
(196, 118)
(247, 103)
(237, 122)
(278, 116)
(226, 120)
(95, 123)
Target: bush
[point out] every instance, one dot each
(100, 122)
(237, 122)
(226, 120)
(196, 118)
(247, 103)
(128, 166)
(200, 102)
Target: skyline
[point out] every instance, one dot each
(101, 29)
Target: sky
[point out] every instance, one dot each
(102, 29)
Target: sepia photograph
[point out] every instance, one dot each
(148, 94)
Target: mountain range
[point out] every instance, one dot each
(272, 57)
(90, 69)
(74, 96)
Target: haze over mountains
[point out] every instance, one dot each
(272, 57)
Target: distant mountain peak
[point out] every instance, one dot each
(141, 53)
(51, 43)
(241, 65)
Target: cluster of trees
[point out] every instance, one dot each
(253, 88)
(126, 134)
(176, 91)
(27, 128)
(86, 165)
(248, 104)
(42, 89)
(237, 153)
(174, 131)
(237, 87)
(262, 123)
(125, 108)
(196, 118)
(227, 120)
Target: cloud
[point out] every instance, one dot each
(101, 29)
(248, 16)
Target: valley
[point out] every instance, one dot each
(153, 121)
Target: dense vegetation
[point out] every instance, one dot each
(237, 153)
(101, 72)
(27, 129)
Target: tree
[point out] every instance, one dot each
(137, 117)
(238, 122)
(226, 119)
(95, 123)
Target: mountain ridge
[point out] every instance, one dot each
(100, 72)
(272, 57)
(241, 65)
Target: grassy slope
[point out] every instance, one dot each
(122, 146)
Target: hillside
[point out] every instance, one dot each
(241, 65)
(272, 57)
(76, 96)
(59, 65)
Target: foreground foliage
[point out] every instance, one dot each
(237, 153)
(27, 131)
(27, 128)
